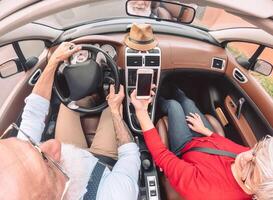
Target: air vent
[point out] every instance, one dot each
(239, 76)
(153, 51)
(132, 50)
(152, 61)
(218, 63)
(132, 75)
(134, 61)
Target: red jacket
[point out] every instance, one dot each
(199, 175)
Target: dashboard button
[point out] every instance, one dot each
(153, 193)
(151, 183)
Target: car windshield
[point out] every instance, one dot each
(206, 17)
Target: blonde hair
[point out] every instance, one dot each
(264, 163)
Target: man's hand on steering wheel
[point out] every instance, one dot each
(115, 100)
(74, 81)
(43, 87)
(63, 52)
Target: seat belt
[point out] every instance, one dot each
(211, 151)
(94, 181)
(106, 160)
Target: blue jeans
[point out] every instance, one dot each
(176, 109)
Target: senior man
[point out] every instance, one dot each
(53, 170)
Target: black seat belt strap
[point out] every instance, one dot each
(110, 162)
(211, 151)
(94, 181)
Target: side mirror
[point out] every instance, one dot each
(161, 10)
(263, 67)
(10, 68)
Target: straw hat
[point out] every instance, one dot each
(141, 37)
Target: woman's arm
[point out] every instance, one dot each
(141, 108)
(173, 167)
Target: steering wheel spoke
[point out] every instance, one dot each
(94, 54)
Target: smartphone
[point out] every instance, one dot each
(143, 83)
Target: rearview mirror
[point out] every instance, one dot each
(263, 67)
(161, 10)
(10, 68)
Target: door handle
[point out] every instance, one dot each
(239, 107)
(34, 78)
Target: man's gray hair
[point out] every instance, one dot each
(264, 162)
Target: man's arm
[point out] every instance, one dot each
(122, 134)
(128, 154)
(127, 149)
(43, 87)
(124, 176)
(37, 104)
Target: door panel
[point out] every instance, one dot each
(253, 89)
(257, 119)
(13, 105)
(241, 123)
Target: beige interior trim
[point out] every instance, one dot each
(10, 6)
(253, 35)
(261, 8)
(265, 24)
(241, 124)
(37, 11)
(37, 31)
(14, 103)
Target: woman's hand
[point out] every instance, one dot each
(141, 105)
(196, 124)
(115, 100)
(63, 52)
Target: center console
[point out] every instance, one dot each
(135, 60)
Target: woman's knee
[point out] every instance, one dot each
(173, 105)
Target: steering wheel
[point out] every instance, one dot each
(73, 82)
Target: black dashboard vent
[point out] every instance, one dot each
(152, 61)
(134, 61)
(218, 63)
(132, 51)
(153, 51)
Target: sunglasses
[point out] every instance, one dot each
(49, 161)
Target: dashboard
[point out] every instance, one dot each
(172, 53)
(176, 52)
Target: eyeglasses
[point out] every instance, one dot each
(252, 163)
(44, 155)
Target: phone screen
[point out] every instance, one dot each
(144, 84)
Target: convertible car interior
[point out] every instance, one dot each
(200, 62)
